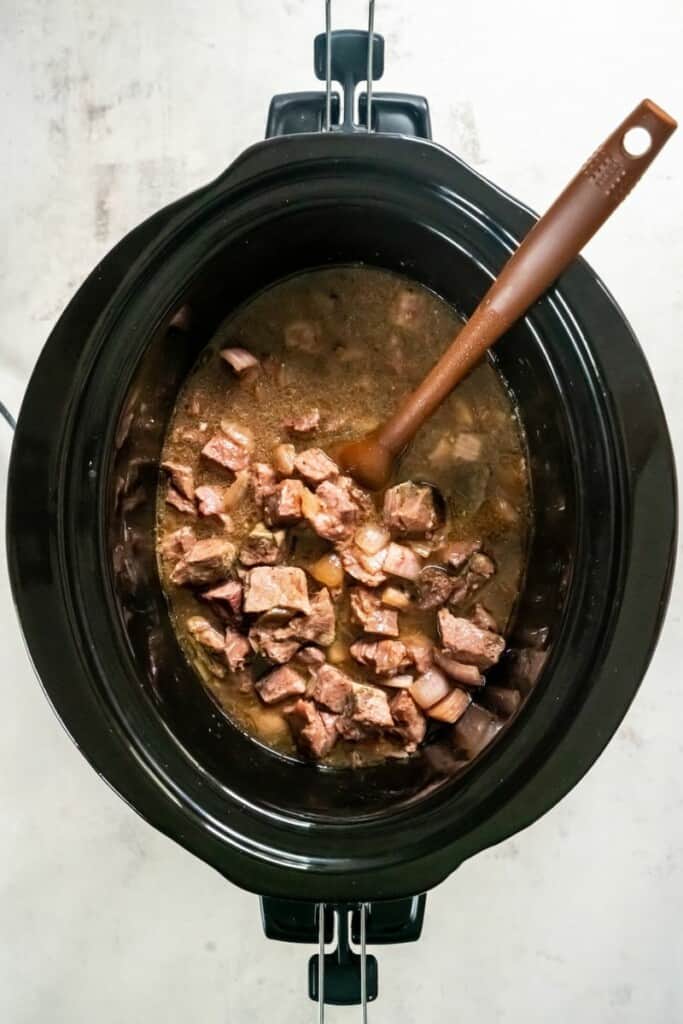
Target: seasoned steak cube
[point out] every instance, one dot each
(384, 656)
(262, 547)
(275, 586)
(239, 359)
(282, 682)
(237, 649)
(228, 594)
(263, 481)
(457, 553)
(409, 719)
(314, 735)
(419, 648)
(231, 448)
(366, 569)
(369, 612)
(311, 657)
(283, 505)
(332, 688)
(434, 587)
(466, 675)
(474, 730)
(319, 625)
(201, 630)
(452, 707)
(340, 509)
(409, 508)
(370, 707)
(469, 643)
(176, 544)
(401, 561)
(273, 639)
(304, 422)
(207, 561)
(182, 478)
(480, 569)
(176, 499)
(283, 459)
(211, 500)
(482, 617)
(315, 467)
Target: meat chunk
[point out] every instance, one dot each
(272, 637)
(366, 569)
(314, 735)
(420, 650)
(340, 509)
(467, 642)
(480, 569)
(228, 595)
(410, 722)
(262, 546)
(370, 707)
(279, 637)
(304, 422)
(332, 688)
(466, 675)
(283, 459)
(482, 617)
(207, 561)
(201, 630)
(385, 657)
(176, 499)
(409, 508)
(269, 587)
(182, 478)
(303, 336)
(282, 682)
(401, 561)
(369, 612)
(237, 649)
(311, 657)
(231, 448)
(283, 505)
(176, 544)
(263, 481)
(434, 587)
(407, 310)
(452, 707)
(319, 625)
(239, 359)
(211, 500)
(457, 553)
(315, 466)
(474, 731)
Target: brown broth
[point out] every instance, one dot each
(355, 381)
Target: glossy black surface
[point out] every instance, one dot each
(83, 573)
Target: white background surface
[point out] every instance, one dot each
(111, 110)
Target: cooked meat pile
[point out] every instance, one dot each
(352, 621)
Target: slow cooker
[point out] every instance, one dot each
(355, 848)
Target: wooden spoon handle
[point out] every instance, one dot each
(554, 241)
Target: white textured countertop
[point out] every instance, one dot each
(111, 110)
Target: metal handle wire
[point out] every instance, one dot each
(363, 964)
(328, 63)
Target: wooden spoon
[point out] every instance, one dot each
(551, 245)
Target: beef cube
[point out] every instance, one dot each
(369, 612)
(420, 650)
(273, 639)
(231, 448)
(182, 478)
(452, 707)
(466, 675)
(201, 630)
(207, 561)
(407, 310)
(239, 359)
(474, 731)
(467, 642)
(332, 688)
(430, 687)
(311, 657)
(315, 466)
(366, 569)
(229, 595)
(314, 735)
(352, 731)
(409, 508)
(176, 544)
(269, 587)
(409, 719)
(385, 657)
(370, 707)
(282, 682)
(434, 587)
(457, 553)
(237, 649)
(283, 505)
(401, 561)
(468, 447)
(263, 481)
(211, 500)
(480, 569)
(303, 336)
(303, 423)
(262, 547)
(319, 625)
(482, 617)
(283, 459)
(176, 499)
(340, 509)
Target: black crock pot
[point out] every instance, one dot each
(81, 516)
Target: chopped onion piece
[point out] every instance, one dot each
(394, 597)
(403, 682)
(239, 359)
(328, 570)
(337, 652)
(429, 688)
(452, 707)
(283, 459)
(310, 504)
(371, 538)
(237, 489)
(421, 547)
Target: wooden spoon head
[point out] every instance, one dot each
(367, 460)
